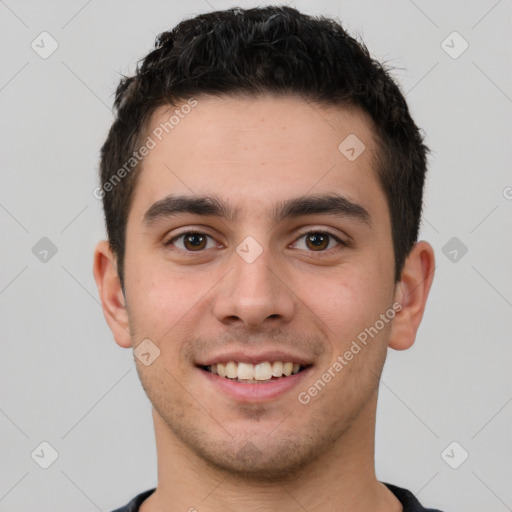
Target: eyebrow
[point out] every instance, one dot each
(212, 206)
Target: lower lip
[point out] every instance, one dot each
(253, 393)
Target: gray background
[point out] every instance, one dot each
(63, 379)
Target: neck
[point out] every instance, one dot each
(342, 479)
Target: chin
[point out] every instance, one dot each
(266, 457)
(266, 466)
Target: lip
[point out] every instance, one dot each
(255, 393)
(245, 356)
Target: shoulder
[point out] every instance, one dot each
(409, 502)
(135, 503)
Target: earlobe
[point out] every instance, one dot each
(111, 293)
(412, 293)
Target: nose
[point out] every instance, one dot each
(254, 294)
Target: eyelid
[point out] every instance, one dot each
(320, 230)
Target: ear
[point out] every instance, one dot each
(412, 292)
(111, 293)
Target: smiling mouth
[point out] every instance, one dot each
(260, 373)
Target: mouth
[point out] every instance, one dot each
(254, 383)
(261, 373)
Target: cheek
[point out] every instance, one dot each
(347, 302)
(162, 302)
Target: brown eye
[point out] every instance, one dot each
(318, 241)
(194, 241)
(190, 241)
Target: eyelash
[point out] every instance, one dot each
(302, 235)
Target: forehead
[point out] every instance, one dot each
(256, 151)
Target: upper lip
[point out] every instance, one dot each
(253, 357)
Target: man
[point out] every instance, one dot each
(262, 185)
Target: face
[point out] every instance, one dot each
(289, 262)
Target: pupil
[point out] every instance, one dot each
(198, 240)
(317, 239)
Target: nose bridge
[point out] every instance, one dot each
(253, 292)
(253, 271)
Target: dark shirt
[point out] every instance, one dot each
(405, 497)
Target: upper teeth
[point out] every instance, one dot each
(260, 371)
